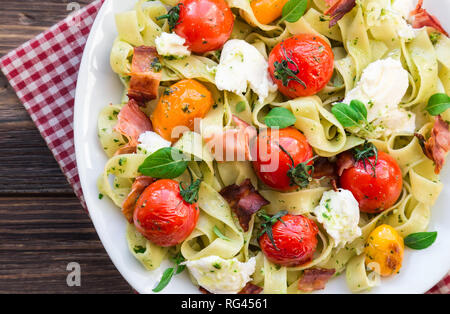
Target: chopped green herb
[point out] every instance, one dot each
(139, 249)
(220, 234)
(240, 106)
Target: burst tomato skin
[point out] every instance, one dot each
(296, 240)
(267, 153)
(267, 11)
(312, 56)
(205, 24)
(374, 193)
(179, 106)
(162, 216)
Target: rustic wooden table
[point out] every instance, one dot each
(42, 225)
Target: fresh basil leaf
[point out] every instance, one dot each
(420, 240)
(360, 108)
(220, 234)
(345, 115)
(437, 104)
(280, 117)
(240, 106)
(293, 10)
(165, 163)
(165, 279)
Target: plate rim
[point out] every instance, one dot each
(79, 152)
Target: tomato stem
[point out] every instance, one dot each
(368, 150)
(284, 73)
(266, 227)
(172, 16)
(300, 175)
(190, 193)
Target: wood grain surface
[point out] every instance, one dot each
(42, 225)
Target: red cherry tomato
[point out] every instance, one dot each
(374, 193)
(301, 65)
(205, 24)
(162, 215)
(295, 240)
(268, 155)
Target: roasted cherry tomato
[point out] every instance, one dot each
(179, 105)
(162, 215)
(375, 192)
(272, 155)
(301, 65)
(384, 251)
(205, 24)
(295, 238)
(267, 11)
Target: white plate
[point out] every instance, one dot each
(98, 86)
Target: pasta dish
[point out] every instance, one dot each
(267, 146)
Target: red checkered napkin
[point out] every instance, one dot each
(43, 72)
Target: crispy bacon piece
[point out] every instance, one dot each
(338, 8)
(203, 290)
(323, 168)
(251, 289)
(144, 81)
(437, 146)
(248, 289)
(315, 279)
(420, 18)
(232, 144)
(139, 185)
(344, 161)
(132, 122)
(244, 200)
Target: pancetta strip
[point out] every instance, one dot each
(139, 185)
(248, 289)
(145, 77)
(420, 18)
(338, 8)
(132, 122)
(232, 144)
(437, 146)
(344, 161)
(244, 200)
(324, 168)
(315, 279)
(251, 289)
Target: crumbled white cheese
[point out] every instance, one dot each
(221, 276)
(381, 88)
(171, 45)
(402, 10)
(338, 211)
(405, 30)
(403, 7)
(395, 13)
(241, 64)
(150, 142)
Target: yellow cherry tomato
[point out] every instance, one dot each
(267, 11)
(384, 251)
(179, 105)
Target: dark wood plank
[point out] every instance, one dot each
(42, 225)
(26, 164)
(22, 20)
(40, 236)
